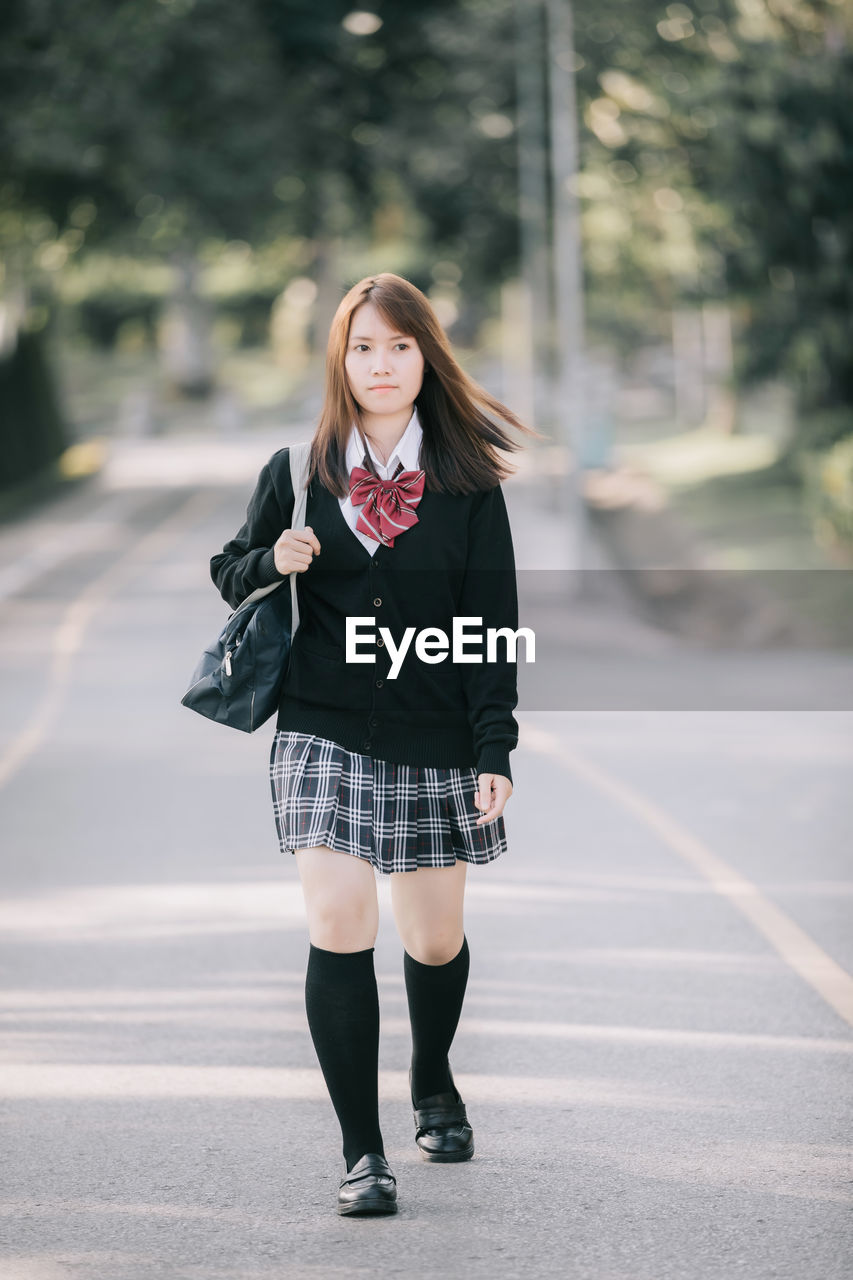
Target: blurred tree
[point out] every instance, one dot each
(779, 158)
(406, 124)
(28, 395)
(715, 155)
(718, 165)
(128, 127)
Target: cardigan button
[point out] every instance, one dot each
(377, 601)
(367, 744)
(373, 723)
(380, 643)
(379, 684)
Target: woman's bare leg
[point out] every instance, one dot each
(428, 911)
(340, 899)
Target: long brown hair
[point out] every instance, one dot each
(458, 450)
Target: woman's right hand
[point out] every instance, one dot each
(295, 550)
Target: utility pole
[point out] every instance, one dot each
(530, 64)
(567, 270)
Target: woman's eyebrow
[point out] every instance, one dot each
(361, 338)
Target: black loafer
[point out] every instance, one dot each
(369, 1187)
(442, 1131)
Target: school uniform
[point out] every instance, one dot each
(379, 767)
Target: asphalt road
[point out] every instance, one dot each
(656, 1044)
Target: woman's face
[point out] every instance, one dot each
(385, 369)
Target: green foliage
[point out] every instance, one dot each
(28, 395)
(780, 161)
(716, 154)
(718, 162)
(829, 494)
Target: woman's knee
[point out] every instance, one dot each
(439, 945)
(342, 926)
(429, 912)
(340, 900)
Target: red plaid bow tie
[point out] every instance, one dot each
(389, 505)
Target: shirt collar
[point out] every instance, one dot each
(406, 451)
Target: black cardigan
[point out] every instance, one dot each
(457, 560)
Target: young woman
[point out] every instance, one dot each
(402, 763)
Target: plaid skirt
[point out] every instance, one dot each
(398, 817)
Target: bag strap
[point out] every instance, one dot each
(299, 457)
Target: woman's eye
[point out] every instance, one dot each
(362, 346)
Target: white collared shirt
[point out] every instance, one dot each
(407, 451)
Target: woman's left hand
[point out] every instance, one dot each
(493, 792)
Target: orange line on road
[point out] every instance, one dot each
(823, 974)
(70, 632)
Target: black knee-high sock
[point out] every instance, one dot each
(435, 993)
(342, 1004)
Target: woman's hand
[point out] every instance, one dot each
(493, 792)
(295, 550)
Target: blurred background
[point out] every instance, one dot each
(633, 220)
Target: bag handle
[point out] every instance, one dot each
(299, 457)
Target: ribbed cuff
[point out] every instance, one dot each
(494, 759)
(266, 570)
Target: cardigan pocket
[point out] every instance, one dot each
(318, 674)
(320, 649)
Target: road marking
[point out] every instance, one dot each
(71, 629)
(823, 974)
(72, 1081)
(56, 540)
(244, 1011)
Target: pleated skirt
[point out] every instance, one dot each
(398, 817)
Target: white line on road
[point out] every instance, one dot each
(53, 542)
(823, 974)
(74, 1080)
(69, 634)
(21, 1024)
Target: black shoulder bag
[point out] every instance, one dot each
(239, 677)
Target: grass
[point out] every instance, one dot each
(746, 513)
(102, 391)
